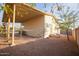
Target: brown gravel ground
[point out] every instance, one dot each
(52, 46)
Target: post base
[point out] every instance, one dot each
(13, 44)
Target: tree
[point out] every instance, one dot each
(67, 16)
(9, 12)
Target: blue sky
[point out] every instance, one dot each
(73, 6)
(41, 6)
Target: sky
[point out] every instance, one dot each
(73, 6)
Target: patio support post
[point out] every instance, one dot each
(8, 33)
(13, 25)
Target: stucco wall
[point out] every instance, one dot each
(47, 25)
(35, 26)
(55, 28)
(41, 26)
(50, 26)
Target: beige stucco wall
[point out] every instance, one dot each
(47, 25)
(41, 26)
(50, 26)
(35, 26)
(55, 28)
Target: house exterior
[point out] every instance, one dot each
(36, 23)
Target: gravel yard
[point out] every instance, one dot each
(28, 46)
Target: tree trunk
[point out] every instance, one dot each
(67, 34)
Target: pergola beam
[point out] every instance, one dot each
(8, 33)
(13, 24)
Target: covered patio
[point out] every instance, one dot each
(30, 17)
(36, 24)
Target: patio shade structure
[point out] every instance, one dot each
(22, 12)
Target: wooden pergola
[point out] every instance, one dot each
(21, 13)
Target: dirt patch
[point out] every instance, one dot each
(52, 46)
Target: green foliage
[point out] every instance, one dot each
(1, 28)
(2, 32)
(65, 25)
(6, 8)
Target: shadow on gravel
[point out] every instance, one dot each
(42, 47)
